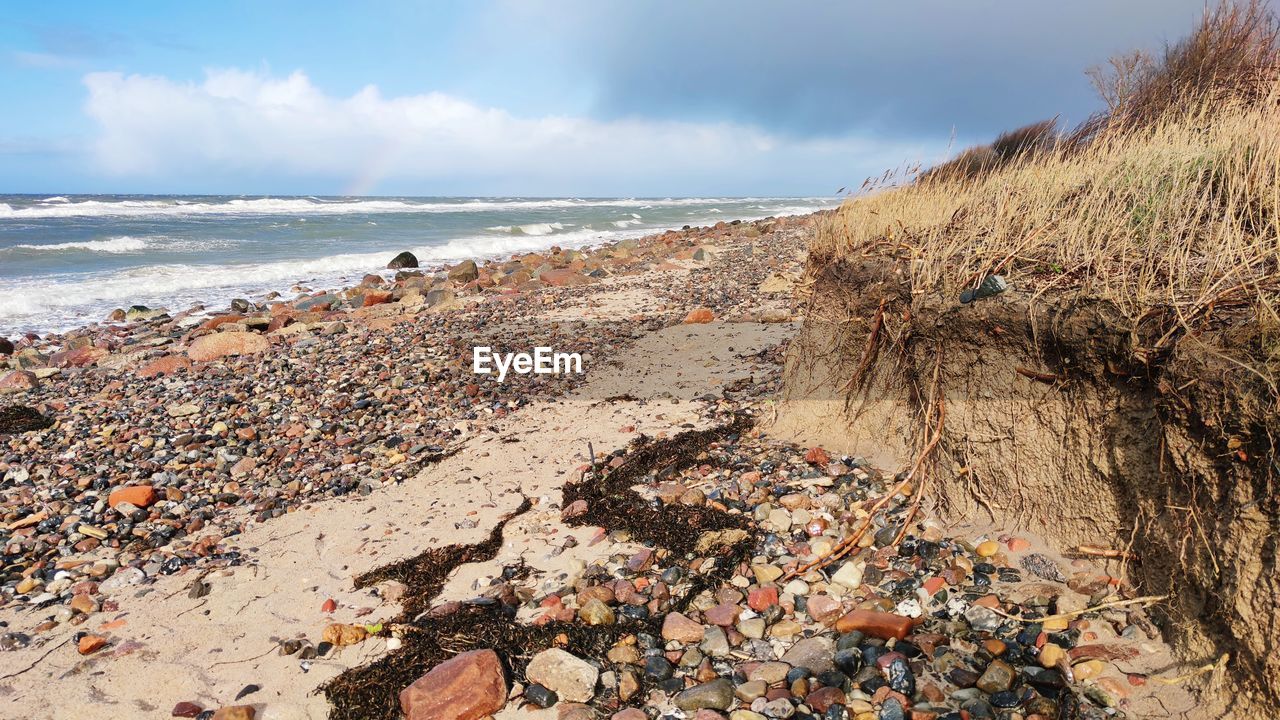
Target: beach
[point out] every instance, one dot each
(266, 512)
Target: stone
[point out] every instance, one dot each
(699, 316)
(876, 624)
(714, 695)
(760, 598)
(6, 347)
(19, 381)
(595, 612)
(83, 603)
(814, 653)
(1051, 654)
(1042, 566)
(464, 272)
(568, 676)
(137, 495)
(90, 643)
(849, 575)
(982, 619)
(235, 712)
(998, 676)
(681, 629)
(405, 259)
(186, 709)
(541, 696)
(987, 549)
(220, 345)
(469, 686)
(164, 365)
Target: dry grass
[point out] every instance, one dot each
(1168, 205)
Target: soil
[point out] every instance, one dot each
(1061, 419)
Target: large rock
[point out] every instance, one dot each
(405, 259)
(139, 495)
(212, 347)
(814, 653)
(18, 381)
(570, 677)
(466, 687)
(20, 418)
(165, 365)
(715, 695)
(464, 272)
(6, 347)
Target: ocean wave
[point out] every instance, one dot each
(122, 244)
(535, 229)
(59, 302)
(55, 199)
(318, 206)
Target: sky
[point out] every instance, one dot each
(567, 98)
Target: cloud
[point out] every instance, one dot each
(242, 124)
(44, 61)
(806, 67)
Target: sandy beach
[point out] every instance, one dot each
(189, 531)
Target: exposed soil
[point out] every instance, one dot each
(1062, 419)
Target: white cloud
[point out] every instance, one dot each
(249, 124)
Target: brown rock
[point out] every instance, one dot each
(681, 629)
(90, 644)
(235, 712)
(466, 687)
(464, 272)
(875, 624)
(166, 365)
(19, 381)
(212, 347)
(140, 495)
(699, 315)
(376, 297)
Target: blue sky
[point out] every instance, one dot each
(574, 97)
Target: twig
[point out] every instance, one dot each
(1102, 552)
(1209, 667)
(37, 660)
(1078, 613)
(1037, 376)
(255, 657)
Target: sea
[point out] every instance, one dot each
(66, 261)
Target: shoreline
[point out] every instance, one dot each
(254, 490)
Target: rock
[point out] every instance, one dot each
(714, 695)
(468, 686)
(1051, 654)
(987, 549)
(405, 259)
(1042, 566)
(681, 629)
(220, 345)
(464, 272)
(137, 495)
(568, 676)
(235, 712)
(20, 418)
(164, 365)
(849, 575)
(125, 577)
(19, 381)
(875, 624)
(83, 603)
(186, 709)
(998, 676)
(595, 612)
(6, 347)
(90, 643)
(540, 696)
(814, 653)
(699, 316)
(342, 634)
(982, 619)
(139, 313)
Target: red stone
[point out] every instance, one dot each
(376, 297)
(137, 495)
(18, 381)
(724, 614)
(698, 316)
(824, 698)
(876, 624)
(186, 710)
(223, 344)
(762, 597)
(91, 643)
(165, 365)
(466, 687)
(817, 456)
